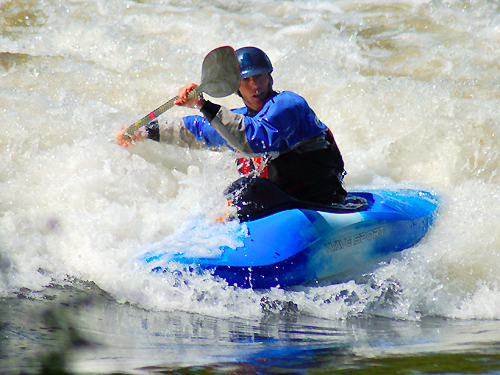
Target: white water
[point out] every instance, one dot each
(409, 88)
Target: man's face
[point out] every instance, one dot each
(255, 90)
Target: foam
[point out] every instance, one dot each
(407, 103)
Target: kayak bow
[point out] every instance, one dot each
(304, 246)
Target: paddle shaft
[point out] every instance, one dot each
(220, 77)
(129, 133)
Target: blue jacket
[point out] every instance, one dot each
(285, 122)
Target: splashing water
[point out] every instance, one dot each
(410, 89)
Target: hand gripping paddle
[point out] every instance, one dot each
(220, 77)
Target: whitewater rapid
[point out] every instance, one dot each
(410, 90)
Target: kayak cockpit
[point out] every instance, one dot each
(265, 198)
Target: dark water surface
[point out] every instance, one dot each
(409, 88)
(81, 329)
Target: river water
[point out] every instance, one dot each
(409, 88)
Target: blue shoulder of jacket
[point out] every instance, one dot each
(289, 98)
(240, 111)
(284, 98)
(284, 121)
(285, 102)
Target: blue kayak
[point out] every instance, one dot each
(305, 244)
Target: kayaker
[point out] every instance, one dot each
(280, 136)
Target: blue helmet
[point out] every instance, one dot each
(253, 61)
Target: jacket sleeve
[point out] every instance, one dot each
(285, 122)
(198, 128)
(231, 126)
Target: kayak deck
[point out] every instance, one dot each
(308, 244)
